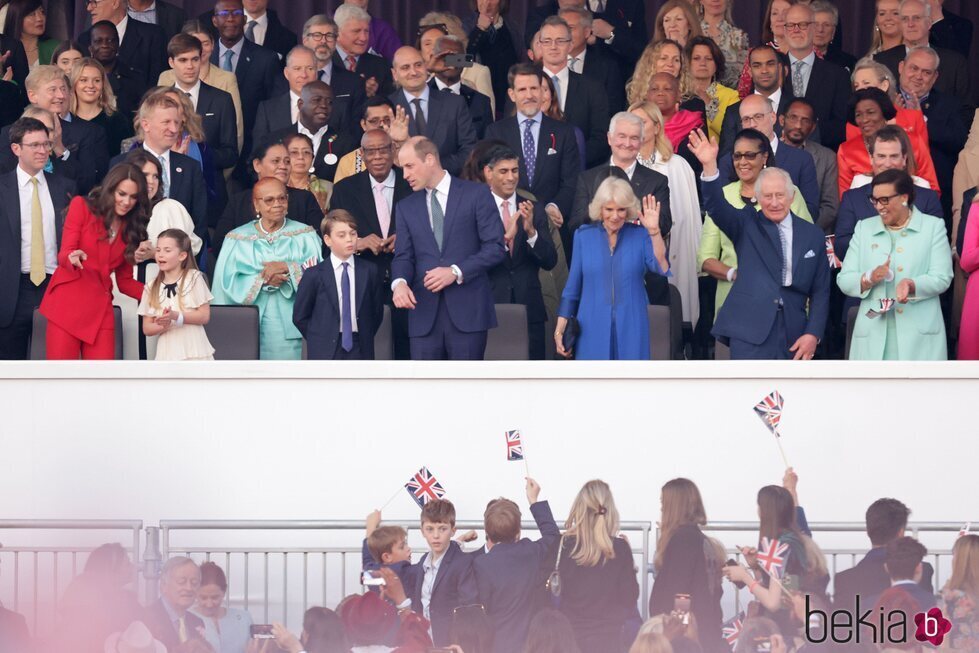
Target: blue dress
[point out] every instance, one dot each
(607, 293)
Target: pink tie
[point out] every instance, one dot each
(383, 212)
(507, 219)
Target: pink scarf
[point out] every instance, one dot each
(682, 123)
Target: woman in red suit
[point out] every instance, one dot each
(870, 109)
(101, 236)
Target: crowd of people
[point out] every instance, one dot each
(773, 195)
(573, 589)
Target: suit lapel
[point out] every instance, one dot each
(360, 284)
(370, 209)
(434, 111)
(10, 191)
(244, 61)
(176, 175)
(443, 567)
(331, 283)
(450, 210)
(770, 233)
(543, 144)
(797, 245)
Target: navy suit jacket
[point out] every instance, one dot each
(186, 186)
(511, 579)
(472, 240)
(316, 312)
(869, 578)
(217, 112)
(750, 311)
(554, 174)
(273, 114)
(478, 104)
(829, 92)
(586, 107)
(800, 166)
(371, 65)
(448, 124)
(61, 190)
(157, 620)
(517, 279)
(144, 48)
(455, 585)
(89, 159)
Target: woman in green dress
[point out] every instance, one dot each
(26, 21)
(261, 264)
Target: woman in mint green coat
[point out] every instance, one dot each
(898, 263)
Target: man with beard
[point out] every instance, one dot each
(798, 123)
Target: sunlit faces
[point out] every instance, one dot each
(869, 117)
(613, 216)
(378, 154)
(88, 87)
(229, 19)
(798, 123)
(887, 155)
(34, 23)
(67, 59)
(888, 18)
(342, 239)
(187, 68)
(354, 37)
(418, 172)
(650, 128)
(321, 39)
(867, 78)
(702, 65)
(765, 70)
(379, 117)
(180, 586)
(409, 70)
(400, 552)
(503, 177)
(824, 29)
(777, 16)
(625, 139)
(891, 206)
(915, 22)
(749, 160)
(918, 73)
(676, 26)
(161, 128)
(275, 163)
(169, 258)
(756, 113)
(775, 197)
(668, 60)
(271, 199)
(300, 70)
(555, 43)
(664, 92)
(300, 156)
(104, 44)
(437, 535)
(52, 96)
(125, 197)
(798, 27)
(526, 94)
(33, 151)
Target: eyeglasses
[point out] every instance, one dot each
(751, 156)
(225, 13)
(757, 117)
(912, 19)
(547, 43)
(804, 25)
(319, 37)
(374, 122)
(882, 201)
(43, 145)
(374, 151)
(278, 199)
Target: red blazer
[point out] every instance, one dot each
(77, 300)
(853, 159)
(912, 121)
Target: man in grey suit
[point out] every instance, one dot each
(443, 118)
(798, 123)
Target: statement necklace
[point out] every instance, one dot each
(270, 235)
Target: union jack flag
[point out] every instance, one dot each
(773, 555)
(731, 630)
(834, 260)
(310, 262)
(965, 529)
(514, 446)
(769, 410)
(886, 305)
(424, 488)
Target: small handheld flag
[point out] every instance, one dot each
(514, 446)
(965, 529)
(423, 487)
(731, 630)
(312, 261)
(834, 261)
(885, 306)
(769, 410)
(773, 556)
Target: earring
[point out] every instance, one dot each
(904, 204)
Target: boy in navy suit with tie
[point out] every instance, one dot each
(338, 305)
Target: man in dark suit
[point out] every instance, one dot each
(950, 31)
(886, 520)
(443, 118)
(263, 27)
(255, 68)
(756, 113)
(449, 238)
(127, 83)
(526, 234)
(619, 27)
(904, 563)
(141, 45)
(353, 40)
(581, 99)
(372, 196)
(825, 85)
(767, 74)
(282, 109)
(779, 304)
(448, 79)
(593, 61)
(79, 150)
(320, 36)
(182, 180)
(315, 105)
(827, 17)
(168, 17)
(30, 233)
(169, 618)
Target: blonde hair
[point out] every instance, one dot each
(617, 190)
(651, 643)
(594, 520)
(662, 144)
(682, 505)
(882, 72)
(43, 74)
(638, 85)
(193, 124)
(183, 243)
(965, 565)
(693, 19)
(108, 98)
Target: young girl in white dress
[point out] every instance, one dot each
(176, 305)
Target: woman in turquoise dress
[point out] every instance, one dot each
(898, 264)
(261, 264)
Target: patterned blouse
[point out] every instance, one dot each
(962, 611)
(733, 42)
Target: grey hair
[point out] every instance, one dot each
(586, 16)
(614, 189)
(175, 563)
(628, 117)
(346, 13)
(316, 21)
(447, 38)
(927, 50)
(778, 172)
(923, 2)
(882, 72)
(374, 132)
(298, 49)
(34, 111)
(826, 7)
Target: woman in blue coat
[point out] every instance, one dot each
(605, 289)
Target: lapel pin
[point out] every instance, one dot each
(179, 169)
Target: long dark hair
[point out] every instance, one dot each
(324, 632)
(139, 158)
(17, 11)
(102, 202)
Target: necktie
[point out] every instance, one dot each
(597, 6)
(324, 77)
(573, 64)
(557, 91)
(165, 176)
(250, 30)
(37, 236)
(383, 211)
(346, 319)
(438, 220)
(529, 151)
(351, 63)
(798, 84)
(785, 254)
(226, 62)
(181, 630)
(420, 123)
(507, 219)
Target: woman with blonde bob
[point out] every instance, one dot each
(599, 588)
(92, 99)
(651, 643)
(960, 596)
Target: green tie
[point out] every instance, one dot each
(438, 220)
(37, 237)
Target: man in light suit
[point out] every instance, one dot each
(756, 113)
(449, 237)
(442, 118)
(779, 303)
(141, 45)
(169, 619)
(26, 264)
(798, 124)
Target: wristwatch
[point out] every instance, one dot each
(611, 38)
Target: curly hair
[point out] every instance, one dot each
(638, 84)
(102, 202)
(693, 19)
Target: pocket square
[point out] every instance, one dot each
(208, 114)
(809, 254)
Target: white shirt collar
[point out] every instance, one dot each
(561, 74)
(512, 201)
(338, 262)
(236, 48)
(164, 155)
(455, 88)
(121, 27)
(262, 20)
(443, 186)
(774, 98)
(774, 144)
(23, 179)
(580, 57)
(319, 134)
(387, 183)
(195, 90)
(810, 59)
(423, 96)
(628, 171)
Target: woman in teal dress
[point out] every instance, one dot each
(898, 264)
(261, 264)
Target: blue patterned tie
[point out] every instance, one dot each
(346, 320)
(529, 151)
(226, 64)
(798, 82)
(164, 176)
(785, 255)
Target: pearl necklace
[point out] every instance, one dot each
(270, 235)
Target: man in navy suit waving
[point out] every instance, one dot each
(449, 236)
(783, 269)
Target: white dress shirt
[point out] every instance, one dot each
(423, 96)
(562, 78)
(294, 109)
(631, 170)
(121, 28)
(337, 264)
(774, 98)
(194, 92)
(774, 144)
(579, 61)
(236, 48)
(514, 213)
(785, 227)
(317, 138)
(431, 568)
(261, 26)
(25, 190)
(455, 88)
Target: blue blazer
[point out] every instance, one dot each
(606, 291)
(472, 240)
(454, 586)
(798, 163)
(316, 312)
(511, 579)
(750, 311)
